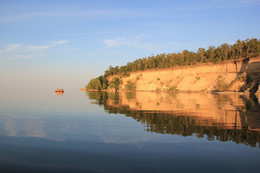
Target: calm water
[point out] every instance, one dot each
(128, 132)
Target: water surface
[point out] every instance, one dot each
(128, 132)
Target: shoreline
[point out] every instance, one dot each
(232, 76)
(208, 92)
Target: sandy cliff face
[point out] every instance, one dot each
(241, 75)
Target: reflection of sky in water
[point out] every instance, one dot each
(67, 117)
(72, 116)
(44, 131)
(98, 128)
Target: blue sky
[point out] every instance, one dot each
(65, 43)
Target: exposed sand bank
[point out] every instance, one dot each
(241, 75)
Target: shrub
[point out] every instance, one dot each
(242, 78)
(126, 74)
(222, 86)
(130, 85)
(94, 84)
(173, 88)
(115, 83)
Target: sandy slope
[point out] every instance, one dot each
(241, 75)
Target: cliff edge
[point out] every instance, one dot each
(240, 76)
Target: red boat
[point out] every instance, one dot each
(59, 90)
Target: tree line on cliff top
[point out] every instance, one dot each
(241, 49)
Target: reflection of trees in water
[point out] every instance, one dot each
(186, 126)
(99, 97)
(180, 124)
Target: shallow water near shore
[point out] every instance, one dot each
(80, 131)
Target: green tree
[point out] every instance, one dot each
(103, 81)
(115, 83)
(201, 55)
(130, 85)
(241, 49)
(94, 84)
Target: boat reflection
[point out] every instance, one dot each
(59, 93)
(223, 117)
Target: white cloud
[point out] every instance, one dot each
(11, 48)
(133, 42)
(112, 43)
(29, 56)
(70, 49)
(220, 4)
(22, 51)
(36, 48)
(66, 13)
(44, 47)
(60, 42)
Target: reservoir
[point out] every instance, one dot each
(79, 131)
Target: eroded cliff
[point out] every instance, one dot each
(241, 75)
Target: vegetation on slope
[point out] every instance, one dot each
(241, 49)
(101, 83)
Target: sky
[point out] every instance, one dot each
(65, 43)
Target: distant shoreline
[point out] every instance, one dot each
(208, 92)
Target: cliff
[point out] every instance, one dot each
(241, 75)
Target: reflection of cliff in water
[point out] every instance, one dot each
(225, 117)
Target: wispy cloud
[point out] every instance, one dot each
(122, 41)
(28, 56)
(126, 12)
(23, 51)
(59, 42)
(115, 42)
(70, 49)
(44, 47)
(220, 4)
(10, 48)
(13, 47)
(66, 13)
(36, 48)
